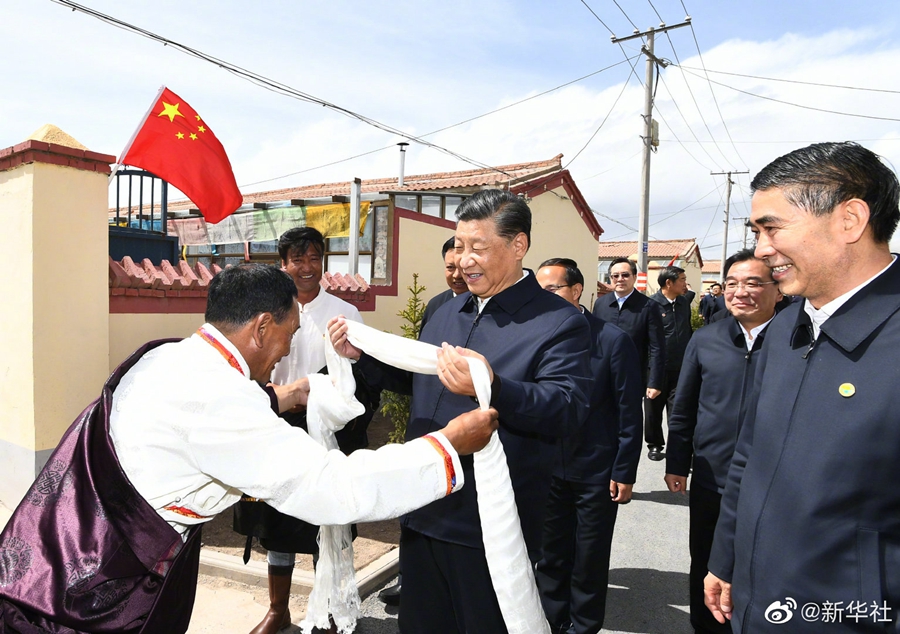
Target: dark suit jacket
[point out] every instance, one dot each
(715, 378)
(538, 347)
(608, 445)
(640, 319)
(710, 305)
(810, 509)
(676, 326)
(433, 304)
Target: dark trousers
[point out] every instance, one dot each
(704, 512)
(447, 588)
(573, 574)
(653, 410)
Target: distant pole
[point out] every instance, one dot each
(353, 250)
(728, 184)
(652, 61)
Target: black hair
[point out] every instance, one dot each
(741, 256)
(449, 244)
(573, 275)
(669, 273)
(633, 265)
(299, 240)
(716, 283)
(819, 177)
(509, 212)
(240, 293)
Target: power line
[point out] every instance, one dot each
(683, 118)
(270, 84)
(635, 26)
(469, 120)
(713, 92)
(613, 107)
(797, 81)
(797, 105)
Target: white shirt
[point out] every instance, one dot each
(481, 303)
(621, 300)
(819, 316)
(750, 335)
(192, 433)
(307, 353)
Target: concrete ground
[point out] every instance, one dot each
(648, 592)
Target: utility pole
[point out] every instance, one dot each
(652, 61)
(728, 184)
(744, 222)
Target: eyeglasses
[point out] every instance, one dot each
(615, 276)
(555, 287)
(749, 286)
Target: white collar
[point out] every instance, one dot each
(819, 316)
(481, 303)
(750, 335)
(621, 300)
(216, 334)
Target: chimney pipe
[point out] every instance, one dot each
(402, 162)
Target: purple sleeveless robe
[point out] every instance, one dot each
(84, 552)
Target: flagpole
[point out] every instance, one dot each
(118, 164)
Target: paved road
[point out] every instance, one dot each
(648, 575)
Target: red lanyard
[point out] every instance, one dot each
(232, 361)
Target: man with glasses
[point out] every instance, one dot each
(593, 474)
(715, 379)
(641, 320)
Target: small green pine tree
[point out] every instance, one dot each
(396, 406)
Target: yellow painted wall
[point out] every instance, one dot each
(16, 318)
(71, 298)
(128, 332)
(557, 231)
(419, 246)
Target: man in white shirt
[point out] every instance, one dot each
(103, 540)
(808, 530)
(302, 254)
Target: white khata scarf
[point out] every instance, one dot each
(330, 406)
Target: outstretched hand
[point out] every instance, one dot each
(337, 331)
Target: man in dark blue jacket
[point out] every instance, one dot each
(535, 345)
(454, 277)
(594, 472)
(809, 528)
(674, 301)
(712, 303)
(633, 312)
(713, 388)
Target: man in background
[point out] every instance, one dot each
(674, 301)
(713, 393)
(594, 472)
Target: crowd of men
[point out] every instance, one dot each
(782, 414)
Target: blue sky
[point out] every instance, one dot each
(422, 65)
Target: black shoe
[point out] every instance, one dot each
(655, 453)
(391, 596)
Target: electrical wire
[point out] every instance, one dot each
(796, 81)
(804, 107)
(469, 120)
(690, 129)
(270, 84)
(626, 15)
(613, 107)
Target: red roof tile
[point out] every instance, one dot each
(656, 249)
(712, 266)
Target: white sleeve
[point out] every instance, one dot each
(242, 444)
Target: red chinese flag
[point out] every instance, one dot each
(176, 144)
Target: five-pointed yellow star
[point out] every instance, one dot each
(193, 137)
(198, 117)
(201, 129)
(170, 111)
(180, 135)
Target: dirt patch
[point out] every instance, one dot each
(374, 539)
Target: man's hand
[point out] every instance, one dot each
(717, 595)
(337, 330)
(676, 483)
(453, 369)
(620, 492)
(652, 393)
(293, 396)
(471, 431)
